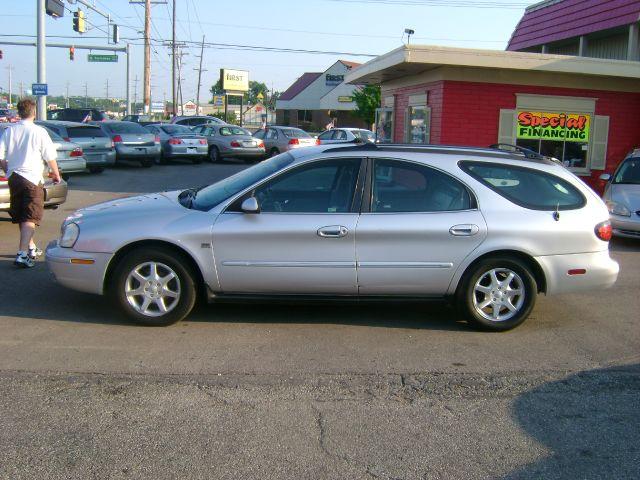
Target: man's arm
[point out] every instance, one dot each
(3, 151)
(55, 173)
(49, 155)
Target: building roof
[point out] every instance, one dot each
(415, 59)
(554, 20)
(299, 85)
(350, 64)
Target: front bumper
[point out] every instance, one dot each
(81, 277)
(628, 227)
(601, 272)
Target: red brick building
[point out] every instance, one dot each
(583, 111)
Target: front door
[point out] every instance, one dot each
(418, 226)
(303, 239)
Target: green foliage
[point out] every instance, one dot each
(249, 97)
(367, 99)
(232, 118)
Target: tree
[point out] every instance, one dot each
(367, 99)
(251, 96)
(216, 89)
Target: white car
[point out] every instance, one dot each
(342, 135)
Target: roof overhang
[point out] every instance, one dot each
(411, 60)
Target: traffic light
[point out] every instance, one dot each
(72, 53)
(78, 21)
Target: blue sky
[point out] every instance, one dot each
(350, 26)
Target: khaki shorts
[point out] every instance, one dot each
(27, 200)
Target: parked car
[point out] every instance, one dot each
(77, 115)
(133, 142)
(195, 120)
(55, 194)
(346, 135)
(98, 149)
(622, 196)
(282, 139)
(487, 229)
(8, 115)
(178, 141)
(230, 141)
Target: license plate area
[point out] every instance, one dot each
(192, 150)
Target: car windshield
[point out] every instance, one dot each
(176, 130)
(126, 127)
(226, 131)
(53, 135)
(629, 172)
(206, 198)
(295, 133)
(85, 132)
(365, 135)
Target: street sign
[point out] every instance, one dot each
(40, 89)
(100, 57)
(157, 107)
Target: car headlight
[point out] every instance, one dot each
(618, 208)
(70, 233)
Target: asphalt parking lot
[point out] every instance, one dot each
(273, 391)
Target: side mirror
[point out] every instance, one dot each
(250, 205)
(605, 176)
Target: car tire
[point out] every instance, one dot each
(137, 266)
(274, 151)
(96, 169)
(214, 154)
(147, 162)
(160, 160)
(487, 296)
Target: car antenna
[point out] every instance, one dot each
(556, 214)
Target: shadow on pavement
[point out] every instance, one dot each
(588, 421)
(624, 245)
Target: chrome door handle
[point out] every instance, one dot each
(465, 230)
(333, 231)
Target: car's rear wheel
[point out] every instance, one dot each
(498, 294)
(154, 287)
(273, 152)
(214, 154)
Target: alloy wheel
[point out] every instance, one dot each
(152, 289)
(499, 294)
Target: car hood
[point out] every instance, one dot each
(626, 194)
(148, 205)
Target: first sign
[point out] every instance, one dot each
(40, 89)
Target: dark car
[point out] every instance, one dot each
(178, 141)
(195, 120)
(133, 142)
(98, 148)
(77, 115)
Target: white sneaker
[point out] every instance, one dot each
(24, 261)
(34, 253)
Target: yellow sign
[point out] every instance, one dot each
(345, 99)
(234, 80)
(260, 96)
(570, 127)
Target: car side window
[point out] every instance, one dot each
(199, 129)
(527, 187)
(408, 187)
(259, 134)
(340, 135)
(326, 135)
(325, 186)
(271, 135)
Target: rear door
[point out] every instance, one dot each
(417, 225)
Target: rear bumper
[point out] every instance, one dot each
(72, 165)
(243, 152)
(105, 159)
(181, 151)
(81, 277)
(601, 272)
(137, 152)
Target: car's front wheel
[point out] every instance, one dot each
(498, 294)
(153, 287)
(214, 154)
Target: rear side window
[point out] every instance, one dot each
(526, 187)
(226, 131)
(295, 133)
(125, 127)
(177, 130)
(85, 132)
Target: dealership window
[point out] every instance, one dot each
(286, 117)
(417, 124)
(576, 138)
(384, 125)
(304, 116)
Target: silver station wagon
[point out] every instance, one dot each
(486, 229)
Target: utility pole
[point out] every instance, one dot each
(67, 99)
(86, 96)
(41, 60)
(10, 68)
(21, 88)
(107, 95)
(147, 56)
(199, 78)
(180, 55)
(173, 60)
(135, 93)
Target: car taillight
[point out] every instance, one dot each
(3, 179)
(260, 143)
(157, 139)
(604, 231)
(235, 144)
(117, 139)
(175, 141)
(317, 141)
(294, 141)
(66, 139)
(203, 141)
(76, 152)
